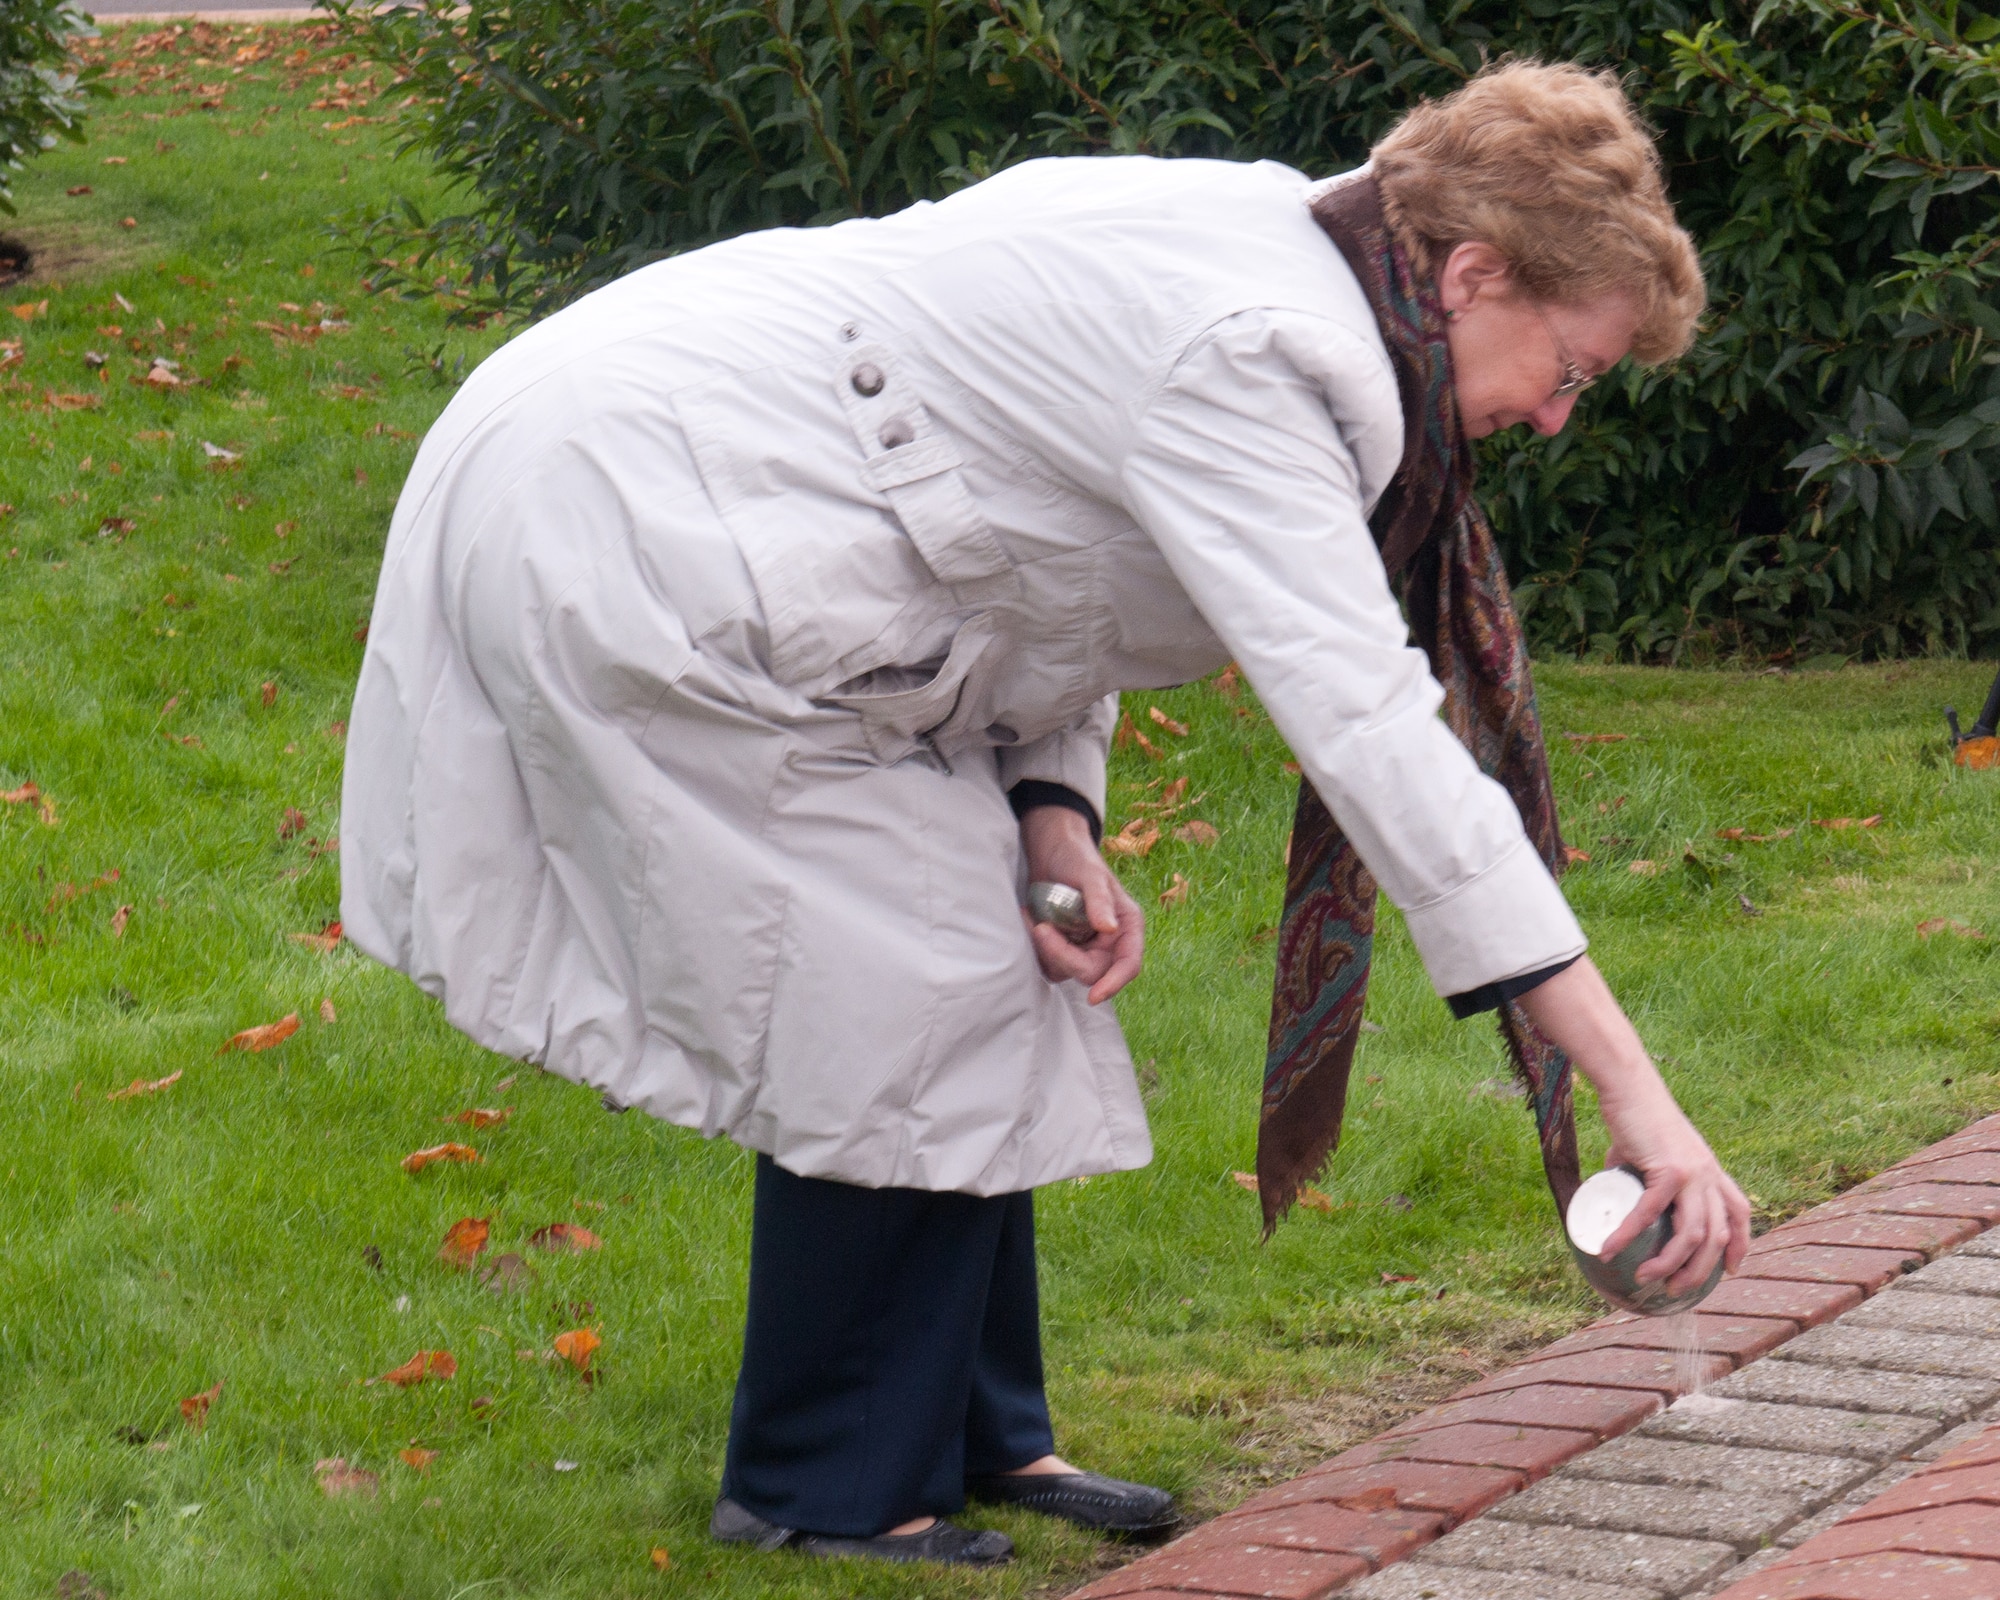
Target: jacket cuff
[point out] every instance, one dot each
(1032, 792)
(1492, 996)
(1508, 922)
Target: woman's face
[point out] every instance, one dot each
(1510, 354)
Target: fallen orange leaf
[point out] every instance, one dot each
(28, 794)
(139, 1086)
(463, 1241)
(1200, 833)
(1399, 1277)
(194, 1409)
(270, 695)
(1316, 1199)
(337, 1479)
(417, 1160)
(1291, 768)
(662, 1562)
(1848, 822)
(1597, 738)
(1977, 755)
(576, 1347)
(1572, 855)
(1382, 1497)
(1228, 681)
(264, 1036)
(325, 940)
(1247, 1179)
(119, 918)
(418, 1457)
(564, 1236)
(1742, 836)
(1177, 729)
(424, 1364)
(1932, 925)
(326, 1012)
(1645, 869)
(479, 1117)
(1175, 892)
(292, 822)
(1134, 839)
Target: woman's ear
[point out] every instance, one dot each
(1474, 271)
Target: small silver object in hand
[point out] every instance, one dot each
(1061, 906)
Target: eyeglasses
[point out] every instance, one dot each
(1574, 379)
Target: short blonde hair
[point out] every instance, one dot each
(1552, 167)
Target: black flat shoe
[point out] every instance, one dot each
(1109, 1505)
(942, 1541)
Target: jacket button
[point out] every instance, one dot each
(897, 434)
(868, 380)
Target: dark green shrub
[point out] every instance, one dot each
(1848, 329)
(42, 92)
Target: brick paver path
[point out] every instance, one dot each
(1841, 1450)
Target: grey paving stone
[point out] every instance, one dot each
(1799, 1532)
(1971, 1314)
(1640, 1561)
(1816, 1430)
(1865, 1389)
(1733, 1517)
(1742, 1570)
(1838, 1345)
(1879, 1484)
(1406, 1582)
(1946, 1442)
(1955, 1275)
(1812, 1480)
(1981, 1244)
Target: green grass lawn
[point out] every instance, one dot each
(251, 1224)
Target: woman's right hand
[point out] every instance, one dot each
(1060, 850)
(1576, 1011)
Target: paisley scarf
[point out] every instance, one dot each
(1435, 540)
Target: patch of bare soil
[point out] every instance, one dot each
(16, 260)
(62, 252)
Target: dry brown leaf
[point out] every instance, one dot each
(292, 823)
(337, 1480)
(28, 310)
(270, 695)
(424, 1364)
(1964, 930)
(324, 941)
(662, 1562)
(140, 1086)
(327, 1014)
(417, 1457)
(1572, 855)
(1597, 738)
(1743, 836)
(1644, 869)
(1838, 823)
(1247, 1180)
(1136, 838)
(417, 1160)
(1316, 1199)
(119, 918)
(1200, 833)
(565, 1236)
(28, 794)
(264, 1036)
(1175, 892)
(1400, 1277)
(481, 1117)
(1291, 768)
(507, 1272)
(1381, 1497)
(1177, 729)
(194, 1409)
(1977, 755)
(1228, 682)
(463, 1241)
(576, 1347)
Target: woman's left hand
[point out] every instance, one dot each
(1060, 850)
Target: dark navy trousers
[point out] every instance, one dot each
(893, 1346)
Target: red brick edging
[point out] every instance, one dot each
(1376, 1503)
